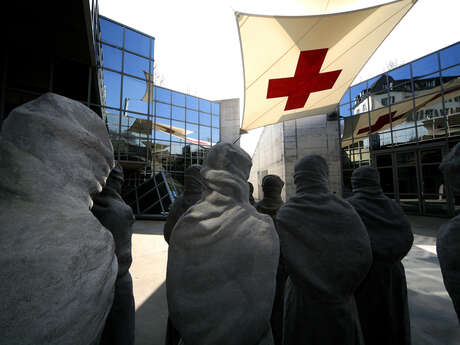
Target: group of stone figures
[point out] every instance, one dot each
(316, 270)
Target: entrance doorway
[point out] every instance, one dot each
(412, 178)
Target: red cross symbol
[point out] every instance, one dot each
(306, 80)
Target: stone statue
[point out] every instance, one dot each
(222, 259)
(58, 265)
(327, 253)
(118, 218)
(382, 296)
(190, 196)
(270, 204)
(251, 191)
(448, 239)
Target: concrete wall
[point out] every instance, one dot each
(312, 135)
(268, 158)
(281, 145)
(230, 120)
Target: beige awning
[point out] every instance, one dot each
(302, 66)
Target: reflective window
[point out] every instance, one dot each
(205, 119)
(192, 116)
(215, 135)
(192, 132)
(216, 121)
(112, 57)
(346, 97)
(205, 105)
(163, 110)
(216, 108)
(112, 87)
(345, 110)
(450, 56)
(384, 160)
(386, 180)
(135, 95)
(111, 33)
(451, 74)
(137, 66)
(192, 102)
(113, 121)
(137, 42)
(178, 131)
(178, 113)
(162, 129)
(163, 95)
(205, 134)
(426, 65)
(358, 93)
(178, 98)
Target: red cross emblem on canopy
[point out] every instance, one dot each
(306, 80)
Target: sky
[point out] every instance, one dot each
(197, 48)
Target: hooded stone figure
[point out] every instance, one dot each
(190, 196)
(270, 204)
(118, 218)
(327, 254)
(251, 191)
(57, 262)
(382, 296)
(222, 259)
(448, 239)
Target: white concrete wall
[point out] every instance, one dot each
(230, 120)
(312, 135)
(268, 158)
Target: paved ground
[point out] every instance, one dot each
(433, 318)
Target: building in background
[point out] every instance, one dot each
(67, 48)
(404, 122)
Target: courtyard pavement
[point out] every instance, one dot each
(433, 319)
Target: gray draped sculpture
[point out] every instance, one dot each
(382, 296)
(448, 239)
(118, 218)
(222, 259)
(190, 196)
(58, 266)
(327, 253)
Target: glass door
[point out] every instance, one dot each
(408, 182)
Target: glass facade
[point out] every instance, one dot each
(153, 129)
(403, 122)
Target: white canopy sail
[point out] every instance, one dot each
(302, 66)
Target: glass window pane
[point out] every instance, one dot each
(450, 56)
(205, 119)
(358, 92)
(450, 74)
(163, 110)
(137, 66)
(205, 105)
(215, 135)
(216, 108)
(178, 131)
(400, 83)
(135, 95)
(427, 84)
(192, 133)
(346, 97)
(178, 98)
(113, 120)
(178, 113)
(192, 102)
(177, 149)
(111, 57)
(384, 160)
(216, 121)
(162, 129)
(205, 135)
(426, 65)
(345, 110)
(163, 95)
(137, 42)
(112, 87)
(192, 116)
(111, 32)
